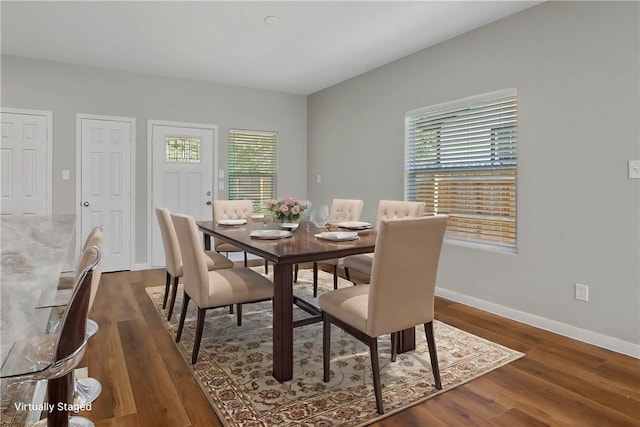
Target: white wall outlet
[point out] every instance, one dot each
(220, 185)
(318, 179)
(634, 169)
(581, 292)
(221, 173)
(66, 174)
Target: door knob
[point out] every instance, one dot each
(85, 204)
(209, 203)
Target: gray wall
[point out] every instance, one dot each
(67, 90)
(576, 68)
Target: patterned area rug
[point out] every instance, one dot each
(234, 366)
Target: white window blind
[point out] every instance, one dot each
(252, 166)
(460, 160)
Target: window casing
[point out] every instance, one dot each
(252, 166)
(460, 160)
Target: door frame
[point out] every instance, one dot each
(150, 124)
(49, 174)
(132, 195)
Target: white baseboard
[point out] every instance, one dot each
(590, 337)
(138, 267)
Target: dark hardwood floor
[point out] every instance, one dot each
(560, 382)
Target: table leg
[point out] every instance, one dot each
(407, 340)
(282, 322)
(207, 241)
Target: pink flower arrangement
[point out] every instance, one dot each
(285, 209)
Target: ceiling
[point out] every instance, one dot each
(313, 44)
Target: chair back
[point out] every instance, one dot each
(196, 276)
(232, 209)
(72, 333)
(95, 238)
(345, 210)
(403, 276)
(172, 254)
(388, 209)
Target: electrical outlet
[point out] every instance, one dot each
(581, 292)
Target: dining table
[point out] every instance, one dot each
(302, 245)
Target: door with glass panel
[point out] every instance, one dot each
(183, 174)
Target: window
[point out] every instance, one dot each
(182, 150)
(460, 160)
(252, 166)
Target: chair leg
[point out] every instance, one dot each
(394, 345)
(326, 345)
(246, 261)
(375, 366)
(346, 274)
(199, 328)
(431, 342)
(230, 308)
(239, 310)
(295, 273)
(183, 313)
(335, 277)
(166, 290)
(173, 297)
(315, 279)
(266, 267)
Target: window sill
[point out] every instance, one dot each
(481, 246)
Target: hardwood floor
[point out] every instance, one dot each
(560, 382)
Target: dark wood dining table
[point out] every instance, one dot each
(284, 253)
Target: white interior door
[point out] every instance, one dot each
(183, 174)
(25, 163)
(106, 187)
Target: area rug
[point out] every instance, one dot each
(235, 363)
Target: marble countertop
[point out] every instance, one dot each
(34, 250)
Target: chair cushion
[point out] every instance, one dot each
(361, 263)
(236, 286)
(221, 246)
(216, 261)
(347, 304)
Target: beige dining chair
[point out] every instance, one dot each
(399, 296)
(231, 209)
(387, 209)
(212, 289)
(173, 258)
(66, 282)
(341, 210)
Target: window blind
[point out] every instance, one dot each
(252, 166)
(460, 160)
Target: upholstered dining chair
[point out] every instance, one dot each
(53, 357)
(66, 282)
(387, 209)
(212, 289)
(399, 296)
(341, 210)
(231, 209)
(173, 258)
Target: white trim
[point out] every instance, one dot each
(132, 196)
(150, 124)
(589, 337)
(464, 101)
(49, 117)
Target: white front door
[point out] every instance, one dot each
(106, 187)
(25, 165)
(183, 174)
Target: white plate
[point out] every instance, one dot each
(354, 225)
(270, 234)
(338, 236)
(232, 222)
